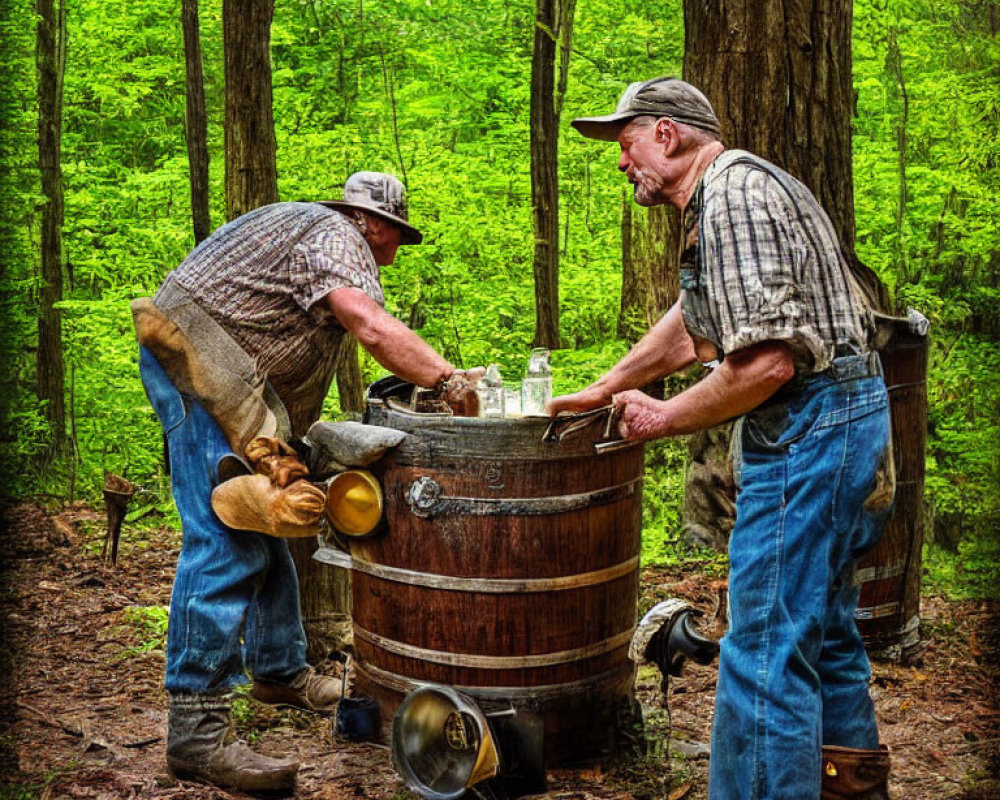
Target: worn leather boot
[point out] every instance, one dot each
(308, 690)
(850, 774)
(201, 744)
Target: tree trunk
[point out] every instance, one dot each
(896, 91)
(325, 597)
(545, 106)
(650, 280)
(251, 151)
(350, 382)
(779, 77)
(196, 121)
(251, 182)
(50, 57)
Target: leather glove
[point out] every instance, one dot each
(270, 456)
(254, 503)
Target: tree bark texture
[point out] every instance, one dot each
(251, 150)
(195, 121)
(545, 174)
(650, 280)
(350, 381)
(50, 59)
(778, 73)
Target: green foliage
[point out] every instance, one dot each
(19, 792)
(437, 92)
(18, 251)
(150, 623)
(972, 572)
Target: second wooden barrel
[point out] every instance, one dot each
(888, 613)
(509, 570)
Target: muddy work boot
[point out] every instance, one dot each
(308, 690)
(201, 744)
(850, 774)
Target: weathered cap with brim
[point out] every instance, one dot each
(660, 97)
(380, 194)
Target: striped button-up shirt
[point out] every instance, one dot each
(761, 261)
(263, 277)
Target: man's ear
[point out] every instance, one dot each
(666, 133)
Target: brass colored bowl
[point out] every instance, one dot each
(354, 503)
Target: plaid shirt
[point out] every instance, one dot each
(760, 261)
(263, 276)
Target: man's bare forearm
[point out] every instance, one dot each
(741, 383)
(664, 349)
(388, 340)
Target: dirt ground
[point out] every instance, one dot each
(82, 711)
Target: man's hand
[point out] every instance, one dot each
(460, 395)
(591, 397)
(642, 417)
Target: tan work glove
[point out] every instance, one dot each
(270, 456)
(255, 503)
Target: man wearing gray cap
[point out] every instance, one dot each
(767, 302)
(238, 350)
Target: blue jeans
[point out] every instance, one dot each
(235, 601)
(793, 672)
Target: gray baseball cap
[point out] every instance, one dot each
(380, 194)
(665, 96)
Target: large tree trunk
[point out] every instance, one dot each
(196, 121)
(50, 57)
(251, 151)
(779, 77)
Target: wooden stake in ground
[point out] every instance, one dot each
(117, 493)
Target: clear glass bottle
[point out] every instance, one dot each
(536, 388)
(490, 390)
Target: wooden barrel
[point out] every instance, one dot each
(509, 570)
(888, 612)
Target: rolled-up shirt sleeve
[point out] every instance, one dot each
(752, 255)
(334, 255)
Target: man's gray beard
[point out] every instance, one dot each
(646, 190)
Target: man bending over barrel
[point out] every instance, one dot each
(767, 301)
(238, 349)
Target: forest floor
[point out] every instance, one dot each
(82, 711)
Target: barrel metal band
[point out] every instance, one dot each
(495, 585)
(867, 574)
(426, 500)
(432, 580)
(400, 683)
(493, 662)
(877, 612)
